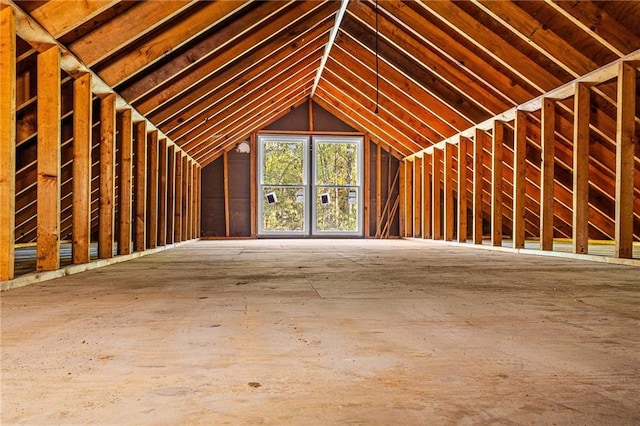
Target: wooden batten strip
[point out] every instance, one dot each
(625, 169)
(519, 178)
(140, 239)
(82, 141)
(152, 189)
(547, 176)
(436, 187)
(582, 112)
(126, 181)
(48, 188)
(7, 142)
(497, 144)
(463, 152)
(477, 186)
(107, 185)
(449, 224)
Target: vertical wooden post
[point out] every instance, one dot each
(519, 178)
(179, 177)
(152, 189)
(426, 196)
(582, 111)
(225, 166)
(625, 169)
(48, 188)
(185, 198)
(7, 142)
(463, 151)
(379, 188)
(162, 192)
(198, 200)
(194, 185)
(417, 199)
(126, 180)
(547, 137)
(401, 196)
(310, 114)
(478, 148)
(496, 183)
(253, 187)
(141, 186)
(436, 186)
(107, 186)
(366, 212)
(408, 196)
(171, 193)
(448, 192)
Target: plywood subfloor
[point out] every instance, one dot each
(326, 332)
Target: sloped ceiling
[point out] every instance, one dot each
(209, 73)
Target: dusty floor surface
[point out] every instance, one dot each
(326, 332)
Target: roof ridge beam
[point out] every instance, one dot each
(327, 50)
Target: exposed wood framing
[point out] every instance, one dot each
(497, 146)
(162, 192)
(417, 200)
(477, 185)
(225, 162)
(547, 136)
(519, 178)
(140, 239)
(625, 152)
(449, 171)
(402, 187)
(178, 236)
(426, 196)
(436, 187)
(185, 198)
(171, 193)
(152, 189)
(463, 152)
(7, 142)
(582, 111)
(126, 181)
(107, 184)
(253, 185)
(366, 207)
(48, 189)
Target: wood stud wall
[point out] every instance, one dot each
(150, 184)
(480, 170)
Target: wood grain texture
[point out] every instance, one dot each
(48, 188)
(107, 184)
(7, 142)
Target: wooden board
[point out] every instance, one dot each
(48, 188)
(107, 164)
(82, 141)
(7, 141)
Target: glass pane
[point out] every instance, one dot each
(337, 163)
(337, 209)
(283, 163)
(283, 209)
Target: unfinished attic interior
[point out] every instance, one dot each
(396, 187)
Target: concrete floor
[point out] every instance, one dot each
(326, 332)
